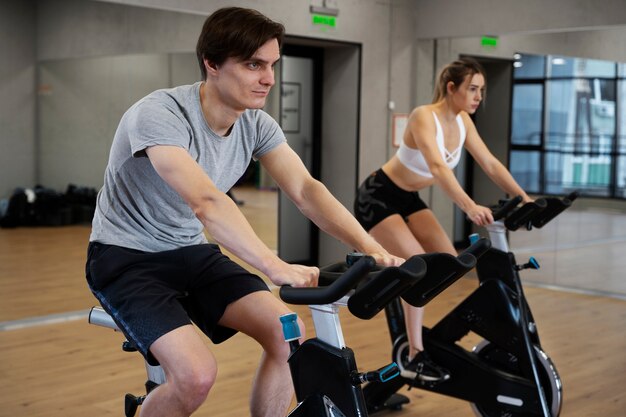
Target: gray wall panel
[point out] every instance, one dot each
(17, 96)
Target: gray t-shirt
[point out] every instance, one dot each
(136, 208)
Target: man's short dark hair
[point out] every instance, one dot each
(235, 32)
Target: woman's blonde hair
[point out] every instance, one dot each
(456, 72)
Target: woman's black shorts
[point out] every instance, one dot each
(150, 294)
(378, 198)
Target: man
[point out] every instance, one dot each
(175, 154)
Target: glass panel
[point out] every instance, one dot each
(553, 173)
(578, 109)
(579, 136)
(561, 111)
(529, 66)
(621, 69)
(525, 169)
(527, 112)
(569, 171)
(621, 169)
(560, 66)
(621, 140)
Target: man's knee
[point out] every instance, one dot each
(193, 388)
(277, 348)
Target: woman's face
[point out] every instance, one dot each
(467, 96)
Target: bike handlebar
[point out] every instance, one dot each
(508, 206)
(523, 216)
(374, 287)
(555, 207)
(333, 292)
(532, 214)
(418, 280)
(476, 249)
(444, 269)
(382, 287)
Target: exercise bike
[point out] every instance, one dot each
(506, 374)
(155, 374)
(324, 368)
(324, 372)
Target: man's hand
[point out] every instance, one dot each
(385, 259)
(295, 275)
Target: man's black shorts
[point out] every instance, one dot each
(150, 294)
(378, 198)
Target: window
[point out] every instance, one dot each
(527, 118)
(565, 132)
(621, 137)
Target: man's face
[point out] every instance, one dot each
(245, 84)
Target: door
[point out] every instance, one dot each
(493, 122)
(319, 111)
(297, 235)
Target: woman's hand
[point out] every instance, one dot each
(480, 215)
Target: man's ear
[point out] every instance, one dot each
(210, 67)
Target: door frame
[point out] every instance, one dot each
(336, 148)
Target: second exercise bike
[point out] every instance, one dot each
(508, 373)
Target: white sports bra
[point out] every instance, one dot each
(414, 160)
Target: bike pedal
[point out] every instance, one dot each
(420, 383)
(131, 403)
(128, 347)
(428, 384)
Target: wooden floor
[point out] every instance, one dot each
(52, 363)
(580, 249)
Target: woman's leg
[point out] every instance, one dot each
(433, 238)
(420, 233)
(429, 232)
(397, 238)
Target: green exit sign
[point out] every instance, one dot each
(489, 41)
(323, 20)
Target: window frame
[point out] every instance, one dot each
(541, 148)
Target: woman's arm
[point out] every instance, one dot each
(494, 169)
(422, 131)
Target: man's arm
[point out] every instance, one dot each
(222, 218)
(317, 203)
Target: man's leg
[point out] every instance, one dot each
(257, 315)
(190, 369)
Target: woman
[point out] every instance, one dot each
(388, 204)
